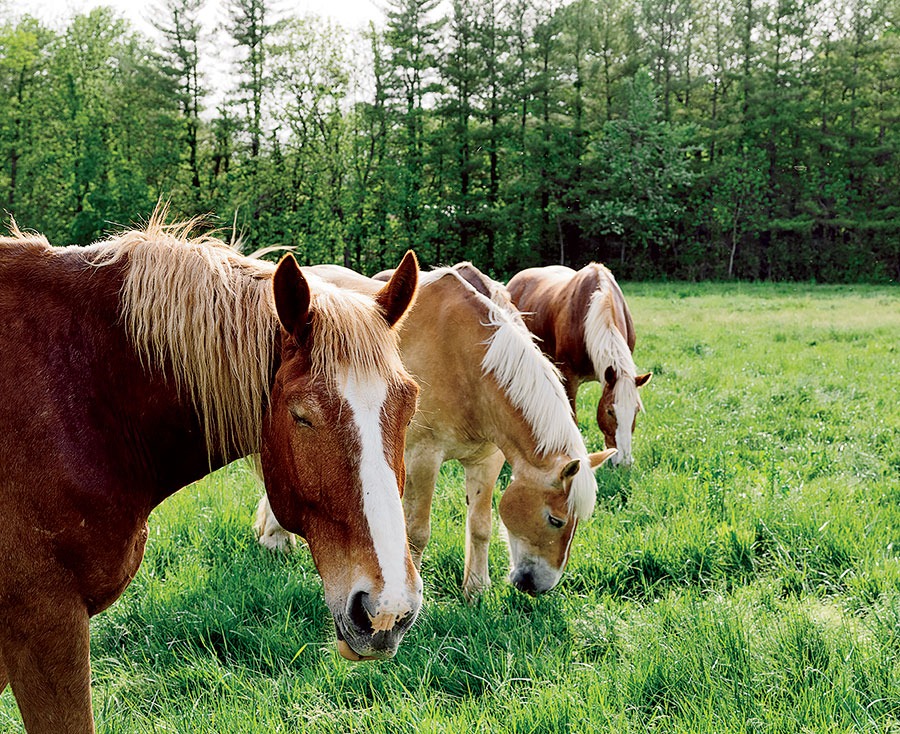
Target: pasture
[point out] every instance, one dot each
(742, 577)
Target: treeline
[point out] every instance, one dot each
(668, 138)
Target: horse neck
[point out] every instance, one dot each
(503, 424)
(134, 424)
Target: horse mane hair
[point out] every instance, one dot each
(534, 386)
(18, 237)
(201, 309)
(607, 347)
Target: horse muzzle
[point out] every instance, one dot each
(534, 578)
(367, 630)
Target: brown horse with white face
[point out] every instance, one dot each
(485, 386)
(583, 324)
(135, 366)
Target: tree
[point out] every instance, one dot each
(24, 56)
(178, 23)
(249, 28)
(412, 38)
(310, 79)
(641, 175)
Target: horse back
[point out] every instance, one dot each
(554, 301)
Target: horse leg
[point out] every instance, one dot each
(46, 655)
(571, 383)
(422, 466)
(481, 477)
(269, 530)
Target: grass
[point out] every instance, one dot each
(742, 577)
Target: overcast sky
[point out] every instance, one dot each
(349, 13)
(214, 61)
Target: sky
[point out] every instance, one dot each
(349, 13)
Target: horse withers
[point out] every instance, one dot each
(584, 325)
(132, 367)
(487, 395)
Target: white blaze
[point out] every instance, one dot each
(381, 500)
(626, 403)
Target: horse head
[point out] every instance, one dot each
(540, 515)
(332, 450)
(617, 412)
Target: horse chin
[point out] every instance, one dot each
(348, 653)
(622, 460)
(362, 646)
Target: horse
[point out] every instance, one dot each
(583, 324)
(135, 366)
(486, 392)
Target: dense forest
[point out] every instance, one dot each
(755, 139)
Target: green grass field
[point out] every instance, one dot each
(744, 576)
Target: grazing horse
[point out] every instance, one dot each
(486, 392)
(584, 325)
(137, 365)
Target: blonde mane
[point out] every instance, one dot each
(18, 237)
(534, 386)
(206, 312)
(607, 347)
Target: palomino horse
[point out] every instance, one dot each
(483, 385)
(135, 366)
(584, 325)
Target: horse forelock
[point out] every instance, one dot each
(583, 491)
(351, 337)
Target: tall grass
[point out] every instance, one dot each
(742, 577)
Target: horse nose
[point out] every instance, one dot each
(622, 459)
(369, 616)
(361, 611)
(524, 581)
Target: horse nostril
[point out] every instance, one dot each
(360, 612)
(524, 581)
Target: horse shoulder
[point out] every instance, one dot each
(438, 343)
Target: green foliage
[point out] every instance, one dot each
(645, 174)
(710, 139)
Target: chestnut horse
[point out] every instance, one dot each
(583, 324)
(137, 365)
(485, 386)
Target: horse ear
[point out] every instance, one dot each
(610, 376)
(291, 296)
(400, 292)
(569, 470)
(642, 380)
(599, 458)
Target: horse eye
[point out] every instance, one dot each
(555, 521)
(611, 413)
(300, 419)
